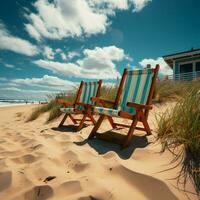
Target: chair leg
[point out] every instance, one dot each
(110, 119)
(97, 125)
(146, 126)
(63, 120)
(130, 133)
(73, 120)
(92, 118)
(81, 123)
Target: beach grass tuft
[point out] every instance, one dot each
(52, 107)
(173, 90)
(179, 131)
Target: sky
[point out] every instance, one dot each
(49, 46)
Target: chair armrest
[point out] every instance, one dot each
(139, 106)
(102, 101)
(64, 102)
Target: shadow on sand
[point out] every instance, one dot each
(68, 128)
(102, 146)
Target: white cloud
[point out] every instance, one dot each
(33, 32)
(15, 44)
(62, 18)
(68, 56)
(25, 94)
(139, 4)
(72, 54)
(63, 56)
(97, 63)
(3, 79)
(11, 89)
(58, 19)
(50, 82)
(9, 65)
(48, 53)
(164, 68)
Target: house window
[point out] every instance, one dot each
(186, 71)
(198, 66)
(186, 68)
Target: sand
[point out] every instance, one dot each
(40, 161)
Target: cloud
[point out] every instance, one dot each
(140, 4)
(59, 19)
(97, 63)
(25, 94)
(11, 89)
(15, 44)
(9, 65)
(164, 68)
(3, 79)
(63, 56)
(72, 54)
(50, 82)
(48, 53)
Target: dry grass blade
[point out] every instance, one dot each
(179, 129)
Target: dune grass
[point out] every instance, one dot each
(179, 131)
(173, 90)
(52, 107)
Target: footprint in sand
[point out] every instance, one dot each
(5, 180)
(28, 158)
(80, 167)
(36, 147)
(3, 164)
(40, 173)
(69, 188)
(41, 192)
(27, 142)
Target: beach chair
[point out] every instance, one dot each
(82, 103)
(133, 101)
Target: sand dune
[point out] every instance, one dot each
(39, 161)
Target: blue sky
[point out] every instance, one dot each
(49, 46)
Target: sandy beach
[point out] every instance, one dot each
(40, 161)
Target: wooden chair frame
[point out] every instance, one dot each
(142, 111)
(87, 112)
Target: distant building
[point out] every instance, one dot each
(185, 65)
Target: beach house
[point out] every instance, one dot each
(185, 65)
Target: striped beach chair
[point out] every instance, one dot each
(133, 101)
(82, 103)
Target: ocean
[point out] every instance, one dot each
(8, 103)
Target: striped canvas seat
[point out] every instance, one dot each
(136, 89)
(89, 90)
(67, 110)
(106, 111)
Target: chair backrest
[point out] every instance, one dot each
(88, 90)
(136, 86)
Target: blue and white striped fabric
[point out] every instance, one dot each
(89, 90)
(67, 110)
(106, 111)
(136, 89)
